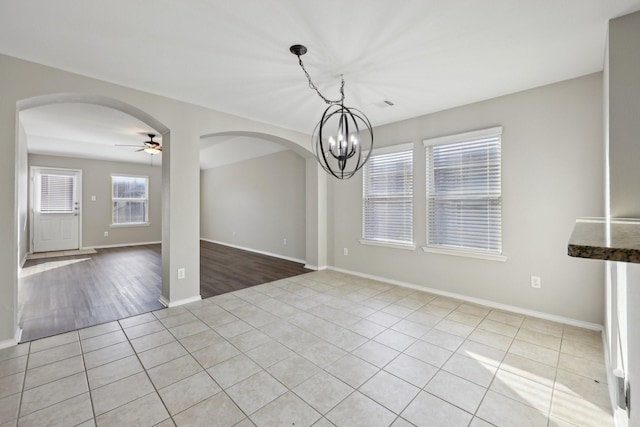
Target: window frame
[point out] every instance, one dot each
(494, 132)
(381, 242)
(146, 222)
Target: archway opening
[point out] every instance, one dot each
(253, 196)
(82, 289)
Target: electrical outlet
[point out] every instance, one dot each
(345, 251)
(284, 241)
(93, 198)
(181, 273)
(106, 234)
(536, 282)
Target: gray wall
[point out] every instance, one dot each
(256, 204)
(96, 216)
(622, 127)
(23, 188)
(624, 116)
(551, 174)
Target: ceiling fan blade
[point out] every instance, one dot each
(135, 151)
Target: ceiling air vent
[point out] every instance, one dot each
(384, 104)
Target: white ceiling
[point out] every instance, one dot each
(233, 56)
(86, 131)
(95, 132)
(222, 150)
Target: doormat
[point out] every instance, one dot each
(56, 254)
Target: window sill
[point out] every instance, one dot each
(405, 246)
(467, 254)
(138, 224)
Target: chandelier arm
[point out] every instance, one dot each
(324, 163)
(314, 87)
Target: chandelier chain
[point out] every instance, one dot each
(314, 87)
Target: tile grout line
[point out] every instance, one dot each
(555, 379)
(222, 390)
(239, 350)
(155, 389)
(454, 352)
(299, 355)
(268, 373)
(500, 365)
(50, 382)
(189, 353)
(86, 376)
(24, 382)
(380, 369)
(253, 302)
(475, 414)
(128, 376)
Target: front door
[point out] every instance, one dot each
(55, 209)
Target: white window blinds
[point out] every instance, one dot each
(388, 196)
(130, 199)
(56, 193)
(464, 193)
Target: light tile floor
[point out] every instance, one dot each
(319, 349)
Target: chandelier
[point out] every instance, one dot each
(343, 139)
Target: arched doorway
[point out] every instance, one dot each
(315, 193)
(252, 212)
(118, 110)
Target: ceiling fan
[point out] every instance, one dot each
(152, 147)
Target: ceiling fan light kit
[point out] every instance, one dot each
(342, 140)
(152, 147)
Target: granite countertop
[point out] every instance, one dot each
(615, 240)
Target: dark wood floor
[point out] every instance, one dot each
(57, 295)
(62, 294)
(224, 269)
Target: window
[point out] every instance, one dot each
(464, 198)
(56, 192)
(130, 196)
(387, 189)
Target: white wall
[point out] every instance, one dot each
(256, 204)
(551, 174)
(96, 215)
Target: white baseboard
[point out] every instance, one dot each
(176, 303)
(120, 245)
(315, 267)
(8, 343)
(480, 301)
(300, 261)
(611, 381)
